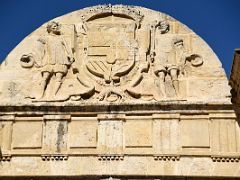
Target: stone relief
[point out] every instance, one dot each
(87, 66)
(174, 64)
(55, 60)
(111, 57)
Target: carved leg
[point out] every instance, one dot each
(161, 76)
(43, 85)
(58, 82)
(174, 76)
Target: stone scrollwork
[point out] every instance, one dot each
(110, 9)
(111, 55)
(196, 60)
(27, 60)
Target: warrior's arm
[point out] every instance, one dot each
(67, 49)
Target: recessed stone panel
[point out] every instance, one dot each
(27, 135)
(82, 134)
(195, 133)
(110, 136)
(138, 133)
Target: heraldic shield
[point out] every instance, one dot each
(112, 48)
(111, 54)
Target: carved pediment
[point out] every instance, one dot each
(112, 53)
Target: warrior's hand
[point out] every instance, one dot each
(187, 55)
(182, 68)
(71, 59)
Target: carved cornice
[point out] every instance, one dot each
(126, 107)
(5, 157)
(120, 157)
(113, 9)
(59, 117)
(225, 158)
(110, 157)
(54, 157)
(166, 157)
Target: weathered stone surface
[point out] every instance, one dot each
(113, 91)
(111, 55)
(234, 78)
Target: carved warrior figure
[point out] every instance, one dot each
(171, 65)
(57, 56)
(164, 27)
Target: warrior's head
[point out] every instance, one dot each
(53, 27)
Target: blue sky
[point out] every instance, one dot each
(216, 21)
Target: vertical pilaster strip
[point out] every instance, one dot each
(237, 128)
(166, 133)
(110, 134)
(224, 132)
(232, 136)
(224, 144)
(6, 133)
(215, 135)
(55, 134)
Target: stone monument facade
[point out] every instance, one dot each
(115, 91)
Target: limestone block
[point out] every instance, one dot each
(55, 136)
(206, 87)
(138, 133)
(237, 127)
(5, 136)
(195, 133)
(6, 122)
(166, 135)
(82, 133)
(27, 135)
(225, 134)
(110, 137)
